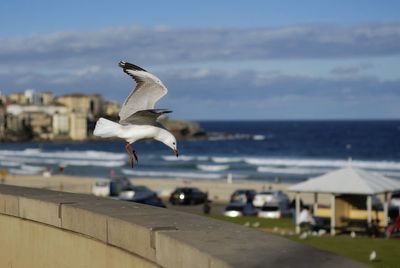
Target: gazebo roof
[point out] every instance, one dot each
(348, 180)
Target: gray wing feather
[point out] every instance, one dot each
(145, 117)
(149, 89)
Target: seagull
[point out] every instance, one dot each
(138, 117)
(372, 255)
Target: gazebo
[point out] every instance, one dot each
(347, 181)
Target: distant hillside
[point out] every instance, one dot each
(184, 129)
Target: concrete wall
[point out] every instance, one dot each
(41, 228)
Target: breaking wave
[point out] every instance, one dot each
(184, 175)
(323, 163)
(184, 158)
(226, 159)
(293, 171)
(213, 168)
(66, 158)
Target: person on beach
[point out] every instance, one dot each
(392, 228)
(306, 220)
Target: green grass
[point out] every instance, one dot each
(286, 223)
(359, 248)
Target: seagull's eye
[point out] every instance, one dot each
(173, 143)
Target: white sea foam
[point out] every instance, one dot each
(72, 158)
(90, 154)
(258, 137)
(295, 170)
(185, 175)
(180, 158)
(226, 159)
(35, 169)
(184, 158)
(17, 171)
(327, 163)
(9, 164)
(213, 168)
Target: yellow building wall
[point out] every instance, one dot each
(76, 103)
(78, 126)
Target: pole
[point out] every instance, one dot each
(297, 213)
(386, 210)
(333, 214)
(315, 207)
(369, 209)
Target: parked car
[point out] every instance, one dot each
(240, 209)
(101, 187)
(135, 192)
(395, 200)
(273, 211)
(187, 196)
(117, 185)
(270, 196)
(243, 196)
(153, 200)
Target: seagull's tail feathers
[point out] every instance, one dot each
(106, 128)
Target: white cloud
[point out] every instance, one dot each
(87, 62)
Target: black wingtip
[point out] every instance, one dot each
(126, 65)
(121, 64)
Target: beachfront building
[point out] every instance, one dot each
(41, 125)
(31, 97)
(75, 102)
(96, 103)
(89, 104)
(36, 118)
(111, 108)
(2, 120)
(46, 98)
(17, 98)
(60, 124)
(78, 125)
(69, 116)
(3, 99)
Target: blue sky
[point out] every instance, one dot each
(219, 59)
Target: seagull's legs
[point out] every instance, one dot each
(131, 153)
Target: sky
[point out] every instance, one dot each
(221, 60)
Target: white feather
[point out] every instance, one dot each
(106, 128)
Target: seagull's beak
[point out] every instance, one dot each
(176, 153)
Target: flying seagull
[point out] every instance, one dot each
(138, 118)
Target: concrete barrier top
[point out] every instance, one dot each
(164, 237)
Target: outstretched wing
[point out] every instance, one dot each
(149, 89)
(145, 117)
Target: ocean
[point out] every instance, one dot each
(284, 151)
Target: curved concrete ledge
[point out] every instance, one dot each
(42, 228)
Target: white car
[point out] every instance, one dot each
(395, 200)
(101, 187)
(270, 196)
(273, 211)
(239, 209)
(137, 192)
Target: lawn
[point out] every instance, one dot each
(270, 224)
(358, 248)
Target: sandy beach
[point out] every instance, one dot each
(218, 190)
